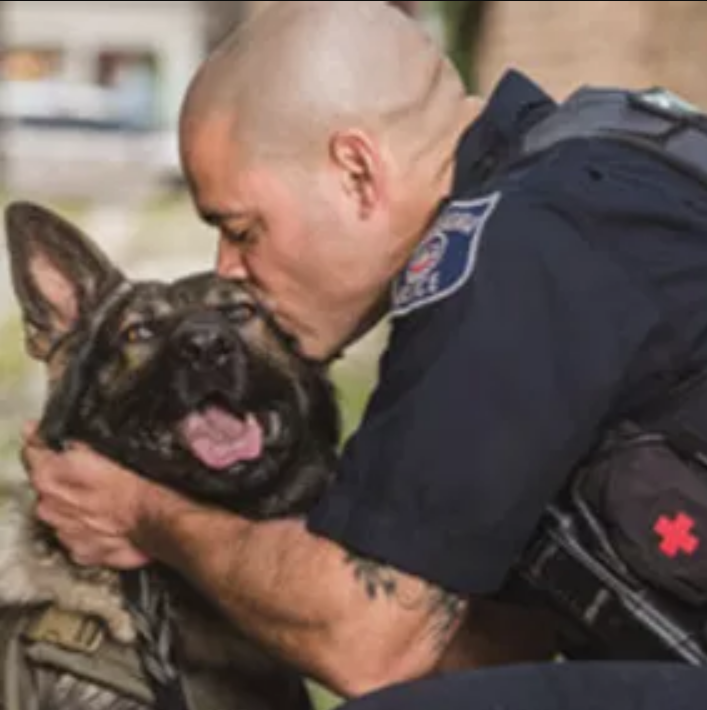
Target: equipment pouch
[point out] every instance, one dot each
(652, 504)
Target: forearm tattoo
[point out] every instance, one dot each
(446, 609)
(443, 608)
(376, 578)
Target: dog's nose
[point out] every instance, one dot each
(202, 345)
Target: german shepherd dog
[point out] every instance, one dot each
(191, 384)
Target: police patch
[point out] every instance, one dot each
(445, 258)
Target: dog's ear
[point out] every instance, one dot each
(58, 274)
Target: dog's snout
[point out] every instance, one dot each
(203, 345)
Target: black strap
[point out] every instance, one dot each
(150, 606)
(660, 123)
(655, 121)
(680, 415)
(607, 616)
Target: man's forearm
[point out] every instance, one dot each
(237, 563)
(365, 627)
(352, 623)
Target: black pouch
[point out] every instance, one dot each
(651, 500)
(620, 555)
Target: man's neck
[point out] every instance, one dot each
(469, 111)
(437, 183)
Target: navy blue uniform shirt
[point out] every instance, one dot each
(545, 300)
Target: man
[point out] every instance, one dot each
(349, 176)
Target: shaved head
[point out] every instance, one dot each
(296, 72)
(318, 139)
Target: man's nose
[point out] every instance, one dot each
(229, 261)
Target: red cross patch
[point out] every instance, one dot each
(676, 535)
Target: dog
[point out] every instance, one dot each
(193, 385)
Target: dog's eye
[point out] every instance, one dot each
(240, 313)
(138, 333)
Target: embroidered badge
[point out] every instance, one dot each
(445, 259)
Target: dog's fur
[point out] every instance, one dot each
(189, 383)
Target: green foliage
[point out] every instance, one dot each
(13, 360)
(323, 699)
(462, 21)
(353, 389)
(15, 366)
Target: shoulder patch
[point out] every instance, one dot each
(446, 257)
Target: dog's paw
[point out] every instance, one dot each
(121, 627)
(111, 610)
(100, 602)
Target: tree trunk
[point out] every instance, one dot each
(221, 17)
(407, 6)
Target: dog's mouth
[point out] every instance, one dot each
(221, 440)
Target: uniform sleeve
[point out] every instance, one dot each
(487, 398)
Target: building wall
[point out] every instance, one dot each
(563, 44)
(174, 34)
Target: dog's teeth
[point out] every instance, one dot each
(164, 442)
(274, 426)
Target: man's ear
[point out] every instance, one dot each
(358, 159)
(58, 274)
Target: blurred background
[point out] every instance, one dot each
(90, 93)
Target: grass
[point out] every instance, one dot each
(322, 698)
(15, 366)
(13, 358)
(353, 390)
(355, 377)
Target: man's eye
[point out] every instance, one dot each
(239, 237)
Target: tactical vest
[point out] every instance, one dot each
(50, 639)
(46, 639)
(622, 553)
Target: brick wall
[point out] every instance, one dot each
(563, 44)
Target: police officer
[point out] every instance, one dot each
(531, 301)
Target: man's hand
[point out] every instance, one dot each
(92, 504)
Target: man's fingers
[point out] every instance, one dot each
(106, 551)
(57, 515)
(60, 512)
(32, 456)
(36, 458)
(51, 486)
(126, 559)
(49, 471)
(89, 501)
(82, 555)
(30, 432)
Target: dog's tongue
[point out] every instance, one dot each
(219, 439)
